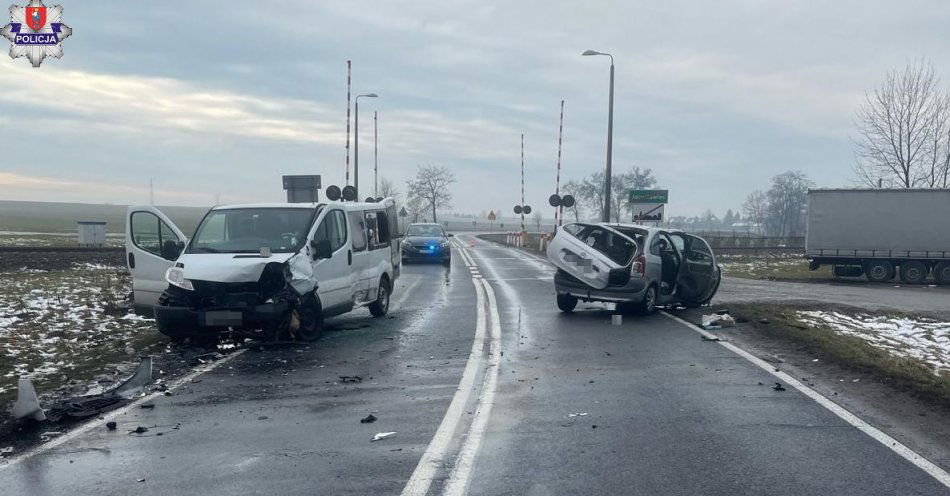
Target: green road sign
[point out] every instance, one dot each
(649, 196)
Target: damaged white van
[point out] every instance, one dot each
(272, 271)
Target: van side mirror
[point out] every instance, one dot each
(321, 249)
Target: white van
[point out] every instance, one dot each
(270, 270)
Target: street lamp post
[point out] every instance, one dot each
(356, 141)
(610, 134)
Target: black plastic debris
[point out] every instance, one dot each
(369, 419)
(147, 406)
(262, 417)
(351, 378)
(111, 425)
(139, 430)
(778, 387)
(85, 406)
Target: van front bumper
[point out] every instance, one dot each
(179, 321)
(632, 291)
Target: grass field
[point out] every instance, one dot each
(773, 267)
(53, 217)
(907, 351)
(66, 327)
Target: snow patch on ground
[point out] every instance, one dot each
(922, 339)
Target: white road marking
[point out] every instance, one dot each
(461, 475)
(405, 293)
(73, 434)
(894, 445)
(435, 454)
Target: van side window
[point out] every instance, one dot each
(332, 229)
(154, 236)
(357, 227)
(382, 221)
(372, 230)
(336, 229)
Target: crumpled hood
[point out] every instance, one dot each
(228, 267)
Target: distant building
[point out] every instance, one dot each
(92, 232)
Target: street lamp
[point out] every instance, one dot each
(610, 134)
(356, 141)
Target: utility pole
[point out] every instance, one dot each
(348, 71)
(356, 141)
(610, 134)
(151, 191)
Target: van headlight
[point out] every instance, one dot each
(176, 277)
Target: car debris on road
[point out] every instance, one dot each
(382, 435)
(369, 419)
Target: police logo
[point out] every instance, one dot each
(36, 31)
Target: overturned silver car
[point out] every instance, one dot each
(637, 267)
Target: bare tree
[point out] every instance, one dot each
(388, 189)
(755, 208)
(903, 129)
(592, 190)
(787, 199)
(574, 189)
(538, 218)
(430, 187)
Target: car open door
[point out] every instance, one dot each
(698, 276)
(590, 252)
(152, 244)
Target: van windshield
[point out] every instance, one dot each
(247, 230)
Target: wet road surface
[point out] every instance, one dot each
(557, 404)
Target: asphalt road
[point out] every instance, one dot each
(490, 390)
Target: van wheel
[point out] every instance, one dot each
(566, 303)
(647, 305)
(942, 273)
(310, 318)
(379, 307)
(913, 272)
(879, 271)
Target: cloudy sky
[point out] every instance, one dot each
(223, 97)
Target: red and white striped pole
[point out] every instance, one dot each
(559, 211)
(522, 184)
(348, 70)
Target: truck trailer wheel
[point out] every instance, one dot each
(879, 270)
(913, 272)
(942, 273)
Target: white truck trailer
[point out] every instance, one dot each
(880, 233)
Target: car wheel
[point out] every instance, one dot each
(647, 305)
(913, 272)
(310, 318)
(379, 307)
(879, 271)
(566, 302)
(942, 273)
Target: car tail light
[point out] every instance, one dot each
(639, 266)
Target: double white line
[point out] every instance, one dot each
(436, 456)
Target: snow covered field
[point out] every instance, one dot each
(67, 326)
(922, 339)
